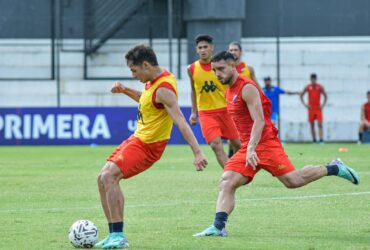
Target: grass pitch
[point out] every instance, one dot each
(45, 189)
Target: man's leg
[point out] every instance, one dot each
(313, 133)
(321, 132)
(229, 182)
(307, 174)
(218, 149)
(103, 200)
(234, 145)
(361, 130)
(112, 202)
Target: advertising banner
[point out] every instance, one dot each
(75, 126)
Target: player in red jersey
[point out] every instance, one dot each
(314, 106)
(365, 117)
(260, 146)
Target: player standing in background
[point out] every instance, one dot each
(314, 106)
(273, 93)
(365, 118)
(260, 146)
(208, 99)
(158, 110)
(235, 48)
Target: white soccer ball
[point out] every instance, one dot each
(83, 234)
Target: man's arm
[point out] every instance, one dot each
(252, 98)
(168, 98)
(325, 97)
(253, 74)
(118, 87)
(363, 118)
(193, 115)
(291, 92)
(301, 97)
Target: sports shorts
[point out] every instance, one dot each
(272, 159)
(314, 114)
(133, 156)
(217, 123)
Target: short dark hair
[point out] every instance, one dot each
(236, 44)
(267, 78)
(368, 92)
(140, 53)
(223, 55)
(203, 37)
(313, 76)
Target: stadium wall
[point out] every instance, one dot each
(341, 64)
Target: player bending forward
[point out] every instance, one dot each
(260, 146)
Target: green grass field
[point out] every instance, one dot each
(45, 189)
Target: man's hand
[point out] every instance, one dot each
(193, 119)
(200, 161)
(118, 88)
(252, 158)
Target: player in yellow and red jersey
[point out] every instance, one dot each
(260, 147)
(235, 48)
(314, 106)
(158, 110)
(365, 117)
(208, 99)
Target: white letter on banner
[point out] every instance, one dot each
(64, 126)
(100, 127)
(13, 127)
(27, 126)
(41, 128)
(131, 125)
(80, 126)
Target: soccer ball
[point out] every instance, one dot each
(83, 234)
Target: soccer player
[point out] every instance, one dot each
(273, 93)
(365, 118)
(260, 146)
(208, 99)
(235, 48)
(314, 106)
(158, 109)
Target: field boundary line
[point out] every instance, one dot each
(173, 204)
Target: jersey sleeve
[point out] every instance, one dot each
(191, 69)
(154, 96)
(280, 90)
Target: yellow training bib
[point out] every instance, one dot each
(154, 124)
(209, 92)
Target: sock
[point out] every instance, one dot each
(332, 169)
(110, 226)
(220, 220)
(321, 140)
(117, 227)
(360, 136)
(314, 140)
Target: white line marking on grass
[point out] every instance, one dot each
(173, 204)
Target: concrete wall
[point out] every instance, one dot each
(296, 18)
(342, 65)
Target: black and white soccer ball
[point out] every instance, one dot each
(83, 234)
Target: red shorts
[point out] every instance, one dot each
(272, 159)
(134, 156)
(314, 114)
(217, 123)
